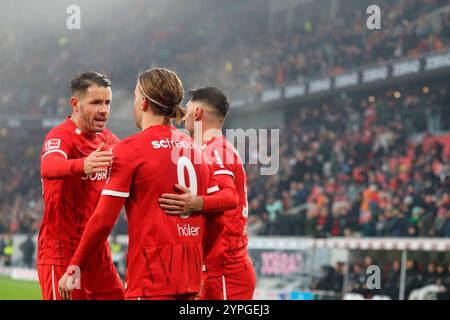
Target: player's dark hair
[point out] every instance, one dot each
(84, 80)
(213, 97)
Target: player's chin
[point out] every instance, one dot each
(99, 126)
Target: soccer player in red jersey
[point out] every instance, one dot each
(74, 168)
(165, 251)
(228, 270)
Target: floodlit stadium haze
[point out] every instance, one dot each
(344, 107)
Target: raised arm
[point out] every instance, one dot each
(55, 165)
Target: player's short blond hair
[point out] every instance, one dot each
(164, 91)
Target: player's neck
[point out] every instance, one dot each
(79, 126)
(210, 132)
(155, 121)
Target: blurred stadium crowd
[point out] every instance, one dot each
(229, 47)
(349, 165)
(419, 276)
(354, 166)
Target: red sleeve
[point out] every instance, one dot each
(57, 141)
(212, 182)
(97, 229)
(54, 156)
(226, 198)
(123, 168)
(56, 166)
(224, 161)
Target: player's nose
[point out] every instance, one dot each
(104, 108)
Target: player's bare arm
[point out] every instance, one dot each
(56, 166)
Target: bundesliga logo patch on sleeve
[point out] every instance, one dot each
(52, 144)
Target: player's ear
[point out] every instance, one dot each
(198, 114)
(74, 103)
(144, 104)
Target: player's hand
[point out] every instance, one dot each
(65, 286)
(177, 204)
(98, 160)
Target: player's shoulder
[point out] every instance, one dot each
(180, 135)
(224, 147)
(128, 141)
(221, 142)
(229, 146)
(221, 153)
(63, 130)
(131, 145)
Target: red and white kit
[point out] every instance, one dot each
(70, 197)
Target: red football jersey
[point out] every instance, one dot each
(165, 251)
(225, 237)
(70, 201)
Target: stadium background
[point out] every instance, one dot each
(363, 115)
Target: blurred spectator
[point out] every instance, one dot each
(445, 282)
(2, 248)
(338, 281)
(327, 279)
(117, 254)
(413, 277)
(357, 279)
(7, 250)
(391, 287)
(27, 249)
(430, 276)
(445, 230)
(440, 273)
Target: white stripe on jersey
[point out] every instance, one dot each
(212, 189)
(228, 172)
(224, 288)
(56, 150)
(53, 282)
(115, 193)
